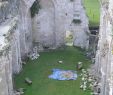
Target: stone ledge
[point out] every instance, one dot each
(6, 29)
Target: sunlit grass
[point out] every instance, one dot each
(39, 70)
(93, 11)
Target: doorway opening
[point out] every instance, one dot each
(69, 38)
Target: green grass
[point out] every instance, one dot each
(39, 70)
(93, 11)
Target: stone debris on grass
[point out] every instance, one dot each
(60, 61)
(79, 65)
(28, 81)
(88, 81)
(18, 93)
(21, 89)
(34, 54)
(24, 63)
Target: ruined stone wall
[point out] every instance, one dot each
(21, 40)
(6, 86)
(43, 25)
(80, 30)
(16, 36)
(104, 51)
(8, 9)
(15, 41)
(25, 28)
(55, 17)
(7, 65)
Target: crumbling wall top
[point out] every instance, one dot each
(6, 29)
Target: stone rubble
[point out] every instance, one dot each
(34, 55)
(89, 82)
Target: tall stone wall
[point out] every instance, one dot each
(25, 28)
(15, 41)
(43, 25)
(7, 52)
(80, 30)
(55, 17)
(104, 54)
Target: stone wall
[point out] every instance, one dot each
(8, 9)
(104, 55)
(18, 31)
(55, 17)
(15, 41)
(7, 64)
(25, 28)
(81, 30)
(43, 25)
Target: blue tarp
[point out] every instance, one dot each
(59, 74)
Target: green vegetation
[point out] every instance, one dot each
(35, 8)
(93, 11)
(39, 70)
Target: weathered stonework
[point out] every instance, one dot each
(15, 41)
(55, 17)
(81, 31)
(104, 56)
(6, 57)
(18, 32)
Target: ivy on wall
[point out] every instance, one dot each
(35, 8)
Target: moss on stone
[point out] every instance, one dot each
(35, 8)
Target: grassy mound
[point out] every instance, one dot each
(39, 70)
(93, 11)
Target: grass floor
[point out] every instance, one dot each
(93, 11)
(39, 70)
